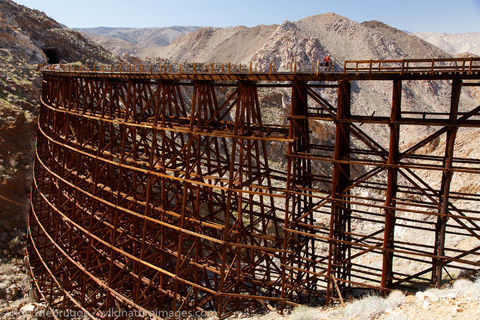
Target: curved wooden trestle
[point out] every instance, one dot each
(156, 191)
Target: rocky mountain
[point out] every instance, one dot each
(145, 37)
(453, 43)
(233, 44)
(135, 41)
(305, 40)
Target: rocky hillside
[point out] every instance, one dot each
(116, 45)
(453, 43)
(25, 36)
(29, 33)
(134, 41)
(233, 44)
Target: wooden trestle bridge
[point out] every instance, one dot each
(169, 190)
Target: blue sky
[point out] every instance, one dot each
(451, 16)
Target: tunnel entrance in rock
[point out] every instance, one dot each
(52, 55)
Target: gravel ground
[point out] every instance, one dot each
(16, 295)
(460, 300)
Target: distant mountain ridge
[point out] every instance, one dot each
(135, 41)
(147, 42)
(142, 36)
(453, 43)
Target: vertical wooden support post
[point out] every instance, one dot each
(298, 177)
(148, 205)
(243, 109)
(340, 212)
(118, 195)
(392, 184)
(441, 225)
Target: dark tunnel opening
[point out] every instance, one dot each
(52, 55)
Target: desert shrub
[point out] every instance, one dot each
(304, 313)
(373, 305)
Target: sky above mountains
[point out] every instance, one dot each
(410, 15)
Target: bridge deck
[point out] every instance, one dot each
(407, 69)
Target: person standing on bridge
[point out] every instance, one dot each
(326, 61)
